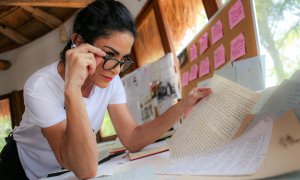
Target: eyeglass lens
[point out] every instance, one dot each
(110, 64)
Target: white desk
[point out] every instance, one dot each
(146, 168)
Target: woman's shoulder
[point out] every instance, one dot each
(43, 78)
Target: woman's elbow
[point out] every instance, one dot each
(88, 174)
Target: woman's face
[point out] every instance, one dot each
(118, 46)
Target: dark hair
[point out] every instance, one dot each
(101, 18)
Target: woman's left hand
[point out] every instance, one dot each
(193, 98)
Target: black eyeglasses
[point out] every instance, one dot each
(111, 63)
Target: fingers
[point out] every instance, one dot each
(87, 55)
(84, 48)
(201, 92)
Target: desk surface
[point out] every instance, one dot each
(146, 168)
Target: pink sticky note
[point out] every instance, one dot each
(185, 79)
(193, 72)
(216, 32)
(219, 56)
(236, 14)
(237, 47)
(203, 41)
(193, 52)
(204, 67)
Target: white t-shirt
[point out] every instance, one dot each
(44, 107)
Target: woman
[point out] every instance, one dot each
(66, 101)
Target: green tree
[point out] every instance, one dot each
(279, 27)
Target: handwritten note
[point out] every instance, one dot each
(219, 56)
(216, 32)
(204, 67)
(193, 52)
(185, 79)
(241, 156)
(213, 121)
(237, 47)
(203, 41)
(236, 14)
(193, 72)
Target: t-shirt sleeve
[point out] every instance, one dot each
(44, 105)
(118, 95)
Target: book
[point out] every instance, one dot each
(149, 150)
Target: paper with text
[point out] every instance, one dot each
(236, 14)
(203, 41)
(219, 56)
(216, 32)
(237, 47)
(213, 121)
(241, 156)
(193, 72)
(193, 52)
(204, 67)
(185, 79)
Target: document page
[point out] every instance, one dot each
(285, 97)
(213, 121)
(242, 156)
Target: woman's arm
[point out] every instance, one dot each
(73, 141)
(136, 137)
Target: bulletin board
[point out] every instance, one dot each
(229, 36)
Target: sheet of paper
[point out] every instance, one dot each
(193, 52)
(204, 67)
(219, 56)
(236, 14)
(296, 76)
(250, 73)
(193, 72)
(216, 32)
(285, 97)
(213, 121)
(203, 41)
(185, 79)
(264, 96)
(227, 71)
(204, 83)
(241, 156)
(237, 47)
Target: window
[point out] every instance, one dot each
(5, 121)
(279, 33)
(107, 128)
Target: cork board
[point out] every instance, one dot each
(246, 27)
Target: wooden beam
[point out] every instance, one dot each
(211, 7)
(43, 16)
(6, 12)
(4, 64)
(47, 3)
(13, 35)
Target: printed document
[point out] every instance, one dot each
(214, 121)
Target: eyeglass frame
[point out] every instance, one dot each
(107, 58)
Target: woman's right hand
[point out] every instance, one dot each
(80, 63)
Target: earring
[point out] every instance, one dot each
(73, 46)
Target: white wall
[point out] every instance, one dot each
(41, 52)
(29, 58)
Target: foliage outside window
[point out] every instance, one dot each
(185, 19)
(279, 33)
(107, 128)
(5, 121)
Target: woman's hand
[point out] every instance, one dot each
(193, 97)
(80, 63)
